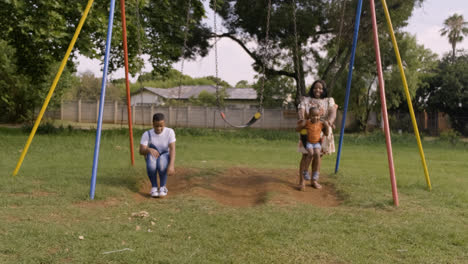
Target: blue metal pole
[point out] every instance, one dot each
(102, 100)
(348, 83)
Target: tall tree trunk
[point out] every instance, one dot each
(454, 46)
(368, 104)
(331, 79)
(300, 80)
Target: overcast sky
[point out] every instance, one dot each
(235, 64)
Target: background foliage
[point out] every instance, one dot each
(35, 34)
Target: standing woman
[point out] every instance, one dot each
(317, 98)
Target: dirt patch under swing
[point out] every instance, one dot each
(247, 187)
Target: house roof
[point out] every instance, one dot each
(242, 93)
(187, 91)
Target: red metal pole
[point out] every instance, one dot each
(384, 104)
(127, 83)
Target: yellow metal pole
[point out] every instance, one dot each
(408, 98)
(52, 88)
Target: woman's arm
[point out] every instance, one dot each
(332, 115)
(301, 108)
(301, 114)
(326, 128)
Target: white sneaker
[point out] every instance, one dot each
(154, 192)
(163, 191)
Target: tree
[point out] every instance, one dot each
(246, 22)
(242, 84)
(39, 32)
(455, 27)
(322, 25)
(88, 87)
(364, 96)
(154, 27)
(13, 86)
(218, 81)
(446, 90)
(20, 96)
(417, 63)
(205, 99)
(174, 78)
(277, 91)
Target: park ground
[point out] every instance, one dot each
(233, 200)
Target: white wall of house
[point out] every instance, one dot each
(145, 98)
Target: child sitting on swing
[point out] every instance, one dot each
(311, 139)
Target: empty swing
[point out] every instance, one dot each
(259, 111)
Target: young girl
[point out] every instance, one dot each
(312, 142)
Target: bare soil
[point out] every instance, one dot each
(244, 187)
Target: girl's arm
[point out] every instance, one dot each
(172, 155)
(300, 125)
(144, 150)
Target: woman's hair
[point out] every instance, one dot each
(324, 92)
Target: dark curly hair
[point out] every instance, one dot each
(158, 117)
(324, 92)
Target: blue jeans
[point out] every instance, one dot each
(157, 166)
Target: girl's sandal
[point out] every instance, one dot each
(302, 187)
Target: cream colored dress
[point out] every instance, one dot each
(324, 105)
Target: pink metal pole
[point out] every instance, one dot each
(384, 104)
(127, 83)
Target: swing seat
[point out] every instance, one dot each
(252, 121)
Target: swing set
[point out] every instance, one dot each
(259, 111)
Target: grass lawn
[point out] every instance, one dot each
(45, 209)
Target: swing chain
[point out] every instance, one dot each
(338, 48)
(299, 82)
(184, 48)
(265, 60)
(140, 82)
(216, 53)
(265, 57)
(341, 24)
(139, 28)
(139, 42)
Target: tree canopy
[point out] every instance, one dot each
(456, 28)
(364, 96)
(324, 32)
(446, 90)
(88, 87)
(37, 34)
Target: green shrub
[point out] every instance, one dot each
(451, 136)
(46, 128)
